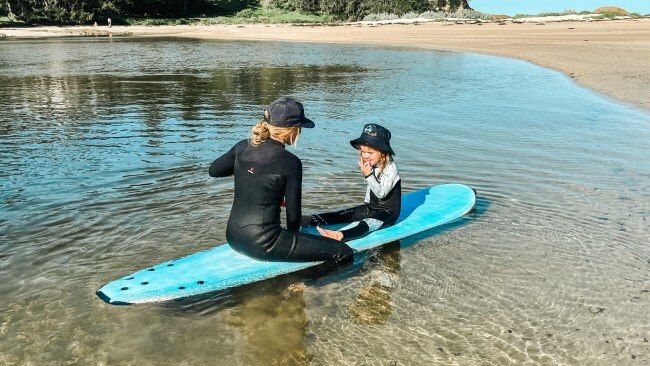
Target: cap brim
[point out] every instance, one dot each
(307, 123)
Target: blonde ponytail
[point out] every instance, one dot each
(260, 133)
(263, 131)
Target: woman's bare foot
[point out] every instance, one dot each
(336, 235)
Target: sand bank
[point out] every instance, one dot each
(611, 57)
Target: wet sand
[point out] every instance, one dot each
(611, 57)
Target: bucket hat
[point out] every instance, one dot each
(376, 136)
(287, 112)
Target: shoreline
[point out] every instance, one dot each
(610, 57)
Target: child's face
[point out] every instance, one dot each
(369, 155)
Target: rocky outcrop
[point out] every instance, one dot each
(611, 9)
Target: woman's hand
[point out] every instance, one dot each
(365, 167)
(336, 235)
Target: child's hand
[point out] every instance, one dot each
(365, 167)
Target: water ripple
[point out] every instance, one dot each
(105, 147)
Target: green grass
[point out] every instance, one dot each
(247, 16)
(274, 16)
(613, 15)
(606, 15)
(566, 12)
(154, 21)
(435, 15)
(263, 15)
(4, 21)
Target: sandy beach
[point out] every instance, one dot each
(611, 57)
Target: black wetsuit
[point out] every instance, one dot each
(265, 175)
(381, 206)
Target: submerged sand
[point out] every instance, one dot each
(611, 57)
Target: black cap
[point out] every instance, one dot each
(287, 112)
(375, 136)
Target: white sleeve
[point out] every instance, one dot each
(383, 184)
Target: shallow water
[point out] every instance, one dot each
(104, 149)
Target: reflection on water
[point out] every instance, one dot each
(274, 326)
(104, 150)
(373, 305)
(271, 316)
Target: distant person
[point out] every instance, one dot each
(95, 25)
(266, 174)
(383, 200)
(109, 22)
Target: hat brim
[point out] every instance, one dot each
(307, 123)
(374, 143)
(304, 123)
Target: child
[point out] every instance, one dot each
(383, 200)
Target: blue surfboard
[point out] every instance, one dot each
(221, 267)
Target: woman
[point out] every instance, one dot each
(266, 175)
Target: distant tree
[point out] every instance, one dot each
(351, 9)
(396, 6)
(182, 8)
(311, 6)
(357, 9)
(54, 11)
(84, 11)
(449, 5)
(344, 9)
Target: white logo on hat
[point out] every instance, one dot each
(370, 130)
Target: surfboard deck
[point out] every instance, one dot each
(221, 267)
